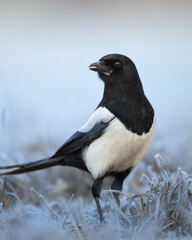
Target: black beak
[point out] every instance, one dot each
(100, 67)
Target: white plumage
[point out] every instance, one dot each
(101, 114)
(117, 149)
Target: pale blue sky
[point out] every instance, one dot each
(47, 46)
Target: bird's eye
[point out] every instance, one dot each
(117, 65)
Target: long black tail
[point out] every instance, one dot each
(32, 166)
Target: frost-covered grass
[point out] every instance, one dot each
(162, 211)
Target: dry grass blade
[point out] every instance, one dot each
(3, 192)
(117, 208)
(162, 167)
(64, 212)
(44, 203)
(78, 232)
(117, 191)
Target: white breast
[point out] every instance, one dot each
(116, 150)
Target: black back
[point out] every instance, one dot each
(137, 115)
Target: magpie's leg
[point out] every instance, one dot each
(117, 185)
(96, 190)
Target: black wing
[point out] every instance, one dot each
(81, 139)
(75, 143)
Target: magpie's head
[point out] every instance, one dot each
(117, 70)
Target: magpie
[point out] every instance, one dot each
(115, 137)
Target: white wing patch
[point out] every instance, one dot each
(116, 150)
(102, 114)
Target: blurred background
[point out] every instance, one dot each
(47, 91)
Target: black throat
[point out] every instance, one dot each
(127, 101)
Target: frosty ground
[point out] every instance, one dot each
(42, 205)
